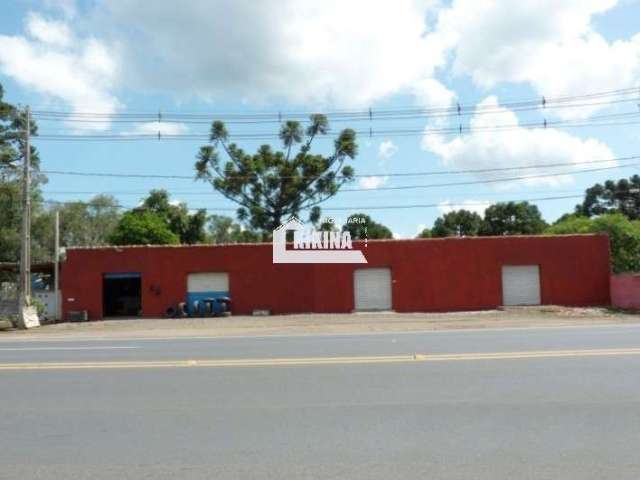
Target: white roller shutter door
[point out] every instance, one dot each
(521, 285)
(372, 289)
(208, 282)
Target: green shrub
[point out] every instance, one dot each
(624, 237)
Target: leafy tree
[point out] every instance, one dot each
(81, 224)
(425, 233)
(13, 124)
(361, 226)
(459, 223)
(12, 148)
(622, 196)
(270, 186)
(11, 224)
(624, 237)
(512, 218)
(10, 219)
(222, 229)
(571, 223)
(190, 228)
(566, 216)
(143, 228)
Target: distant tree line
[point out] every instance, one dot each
(158, 220)
(522, 218)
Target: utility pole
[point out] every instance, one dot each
(56, 273)
(25, 240)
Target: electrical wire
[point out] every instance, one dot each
(594, 121)
(174, 119)
(366, 113)
(492, 180)
(363, 175)
(360, 208)
(433, 185)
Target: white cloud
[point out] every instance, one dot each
(371, 183)
(347, 53)
(48, 31)
(549, 44)
(165, 128)
(477, 206)
(518, 147)
(387, 149)
(79, 72)
(430, 92)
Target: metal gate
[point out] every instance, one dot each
(521, 285)
(372, 288)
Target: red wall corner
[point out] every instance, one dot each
(625, 291)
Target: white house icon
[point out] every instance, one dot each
(282, 255)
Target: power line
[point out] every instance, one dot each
(209, 193)
(363, 175)
(117, 205)
(493, 180)
(449, 205)
(407, 115)
(368, 113)
(436, 185)
(595, 121)
(362, 207)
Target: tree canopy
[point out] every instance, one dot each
(459, 223)
(223, 229)
(83, 223)
(512, 218)
(622, 196)
(361, 226)
(272, 185)
(143, 228)
(424, 233)
(10, 218)
(624, 236)
(12, 148)
(13, 125)
(188, 227)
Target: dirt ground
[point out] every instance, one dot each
(308, 324)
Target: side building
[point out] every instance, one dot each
(422, 275)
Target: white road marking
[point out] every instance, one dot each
(30, 349)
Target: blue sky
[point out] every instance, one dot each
(221, 57)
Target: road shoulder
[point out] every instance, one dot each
(327, 324)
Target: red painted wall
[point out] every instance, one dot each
(625, 291)
(428, 275)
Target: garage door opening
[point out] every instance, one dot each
(520, 285)
(121, 293)
(372, 288)
(204, 285)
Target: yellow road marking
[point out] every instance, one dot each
(273, 362)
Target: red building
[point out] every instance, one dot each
(402, 275)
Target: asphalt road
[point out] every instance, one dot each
(435, 405)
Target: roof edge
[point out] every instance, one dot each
(388, 240)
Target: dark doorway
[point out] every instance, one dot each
(121, 294)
